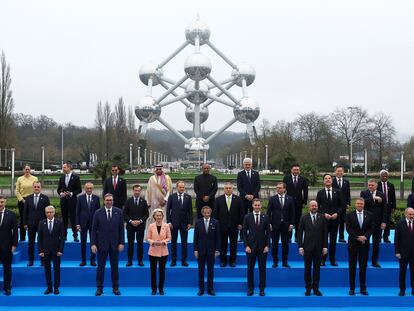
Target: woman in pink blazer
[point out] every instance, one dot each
(158, 236)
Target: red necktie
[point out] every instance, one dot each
(114, 182)
(410, 227)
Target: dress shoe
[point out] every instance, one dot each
(48, 291)
(262, 293)
(22, 240)
(387, 241)
(200, 293)
(308, 292)
(351, 292)
(286, 265)
(401, 293)
(211, 292)
(153, 292)
(232, 264)
(342, 240)
(75, 239)
(376, 264)
(249, 292)
(82, 264)
(56, 291)
(128, 264)
(334, 263)
(322, 263)
(223, 264)
(30, 263)
(99, 292)
(161, 291)
(173, 263)
(7, 292)
(364, 292)
(412, 292)
(42, 264)
(116, 291)
(275, 264)
(317, 292)
(93, 263)
(140, 263)
(184, 263)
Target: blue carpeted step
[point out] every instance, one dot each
(186, 296)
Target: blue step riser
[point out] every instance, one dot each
(72, 252)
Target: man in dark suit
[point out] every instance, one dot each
(135, 215)
(180, 219)
(281, 211)
(229, 211)
(297, 188)
(359, 225)
(248, 184)
(8, 243)
(375, 203)
(86, 206)
(205, 188)
(342, 184)
(313, 243)
(410, 200)
(404, 248)
(206, 248)
(388, 190)
(108, 238)
(256, 235)
(117, 186)
(33, 213)
(50, 242)
(331, 205)
(68, 189)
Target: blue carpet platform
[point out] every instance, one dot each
(285, 286)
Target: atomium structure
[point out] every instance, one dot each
(197, 90)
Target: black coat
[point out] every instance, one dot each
(8, 231)
(257, 238)
(74, 186)
(274, 210)
(354, 230)
(180, 216)
(33, 215)
(298, 193)
(229, 219)
(246, 186)
(410, 200)
(379, 210)
(403, 240)
(345, 190)
(316, 237)
(335, 205)
(119, 193)
(205, 185)
(106, 234)
(206, 243)
(392, 202)
(51, 243)
(133, 212)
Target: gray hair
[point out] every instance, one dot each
(383, 172)
(247, 160)
(50, 208)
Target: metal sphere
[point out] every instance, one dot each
(247, 111)
(245, 71)
(196, 144)
(147, 110)
(189, 114)
(197, 28)
(197, 95)
(149, 70)
(197, 66)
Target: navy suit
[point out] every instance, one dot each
(281, 217)
(84, 219)
(32, 215)
(248, 186)
(180, 216)
(107, 235)
(404, 245)
(345, 190)
(120, 191)
(8, 238)
(379, 211)
(50, 243)
(391, 204)
(68, 203)
(206, 244)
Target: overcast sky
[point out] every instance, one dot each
(309, 55)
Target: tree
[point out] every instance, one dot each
(108, 123)
(99, 124)
(383, 132)
(6, 104)
(121, 130)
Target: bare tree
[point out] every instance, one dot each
(383, 132)
(352, 124)
(108, 118)
(100, 124)
(6, 104)
(120, 120)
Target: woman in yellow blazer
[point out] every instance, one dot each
(158, 237)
